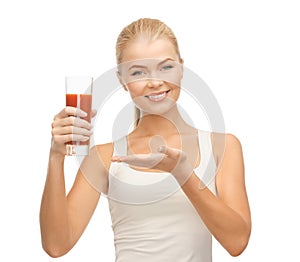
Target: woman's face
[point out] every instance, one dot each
(151, 72)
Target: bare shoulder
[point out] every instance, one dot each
(223, 143)
(95, 166)
(230, 166)
(233, 150)
(104, 153)
(232, 141)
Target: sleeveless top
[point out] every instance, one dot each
(152, 218)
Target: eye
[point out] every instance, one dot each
(166, 67)
(137, 73)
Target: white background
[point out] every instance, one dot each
(246, 51)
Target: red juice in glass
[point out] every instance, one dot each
(84, 102)
(79, 95)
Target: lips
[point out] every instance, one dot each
(159, 96)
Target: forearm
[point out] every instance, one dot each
(54, 219)
(227, 226)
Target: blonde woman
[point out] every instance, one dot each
(161, 222)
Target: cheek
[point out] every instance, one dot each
(136, 89)
(175, 90)
(178, 90)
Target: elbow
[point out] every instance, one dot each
(238, 247)
(235, 252)
(56, 246)
(55, 251)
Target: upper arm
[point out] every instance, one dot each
(230, 177)
(90, 181)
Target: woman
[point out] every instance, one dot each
(174, 222)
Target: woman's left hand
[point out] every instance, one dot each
(167, 159)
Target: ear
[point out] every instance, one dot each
(182, 66)
(121, 81)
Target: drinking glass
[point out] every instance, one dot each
(79, 91)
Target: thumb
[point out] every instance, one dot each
(93, 113)
(173, 153)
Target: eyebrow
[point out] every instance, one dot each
(143, 66)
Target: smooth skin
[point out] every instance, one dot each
(64, 217)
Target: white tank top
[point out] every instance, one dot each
(152, 218)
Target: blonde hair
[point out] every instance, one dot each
(144, 29)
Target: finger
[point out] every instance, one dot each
(71, 130)
(70, 111)
(173, 153)
(155, 142)
(93, 113)
(140, 160)
(62, 139)
(72, 121)
(127, 159)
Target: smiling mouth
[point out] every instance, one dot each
(158, 96)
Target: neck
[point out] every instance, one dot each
(169, 123)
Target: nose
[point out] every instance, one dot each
(154, 83)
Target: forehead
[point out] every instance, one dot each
(145, 49)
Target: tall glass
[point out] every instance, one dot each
(79, 90)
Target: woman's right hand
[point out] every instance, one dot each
(68, 126)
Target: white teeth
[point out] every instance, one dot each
(157, 97)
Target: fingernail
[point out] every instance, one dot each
(161, 149)
(82, 113)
